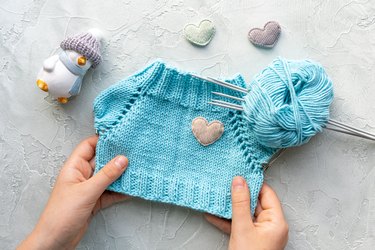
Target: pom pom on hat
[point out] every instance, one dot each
(86, 44)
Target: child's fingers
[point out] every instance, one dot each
(270, 202)
(107, 199)
(221, 224)
(92, 163)
(258, 209)
(86, 149)
(241, 214)
(108, 174)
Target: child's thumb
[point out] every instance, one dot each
(108, 174)
(241, 214)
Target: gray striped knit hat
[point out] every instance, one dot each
(85, 44)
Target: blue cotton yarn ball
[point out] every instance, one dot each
(288, 103)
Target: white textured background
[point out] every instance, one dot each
(327, 187)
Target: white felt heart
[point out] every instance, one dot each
(200, 35)
(207, 133)
(266, 37)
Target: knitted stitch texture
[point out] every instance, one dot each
(148, 118)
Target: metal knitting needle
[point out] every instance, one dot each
(343, 127)
(223, 105)
(228, 96)
(224, 84)
(353, 130)
(238, 107)
(349, 133)
(338, 124)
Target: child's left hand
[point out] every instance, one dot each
(76, 197)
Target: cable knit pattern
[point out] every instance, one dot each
(148, 117)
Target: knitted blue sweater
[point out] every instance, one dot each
(148, 117)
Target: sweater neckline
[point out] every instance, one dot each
(170, 83)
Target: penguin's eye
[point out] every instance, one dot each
(81, 60)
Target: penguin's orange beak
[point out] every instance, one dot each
(81, 61)
(42, 85)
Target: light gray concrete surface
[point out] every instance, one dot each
(327, 187)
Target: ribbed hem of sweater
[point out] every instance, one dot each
(182, 191)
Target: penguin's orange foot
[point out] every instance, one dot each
(42, 85)
(62, 100)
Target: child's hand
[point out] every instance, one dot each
(75, 199)
(268, 230)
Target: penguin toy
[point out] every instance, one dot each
(62, 74)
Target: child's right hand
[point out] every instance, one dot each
(268, 230)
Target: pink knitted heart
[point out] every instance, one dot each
(266, 37)
(207, 133)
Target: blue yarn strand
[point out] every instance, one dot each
(288, 103)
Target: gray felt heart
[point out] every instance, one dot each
(207, 133)
(200, 35)
(266, 37)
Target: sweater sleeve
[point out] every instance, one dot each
(113, 103)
